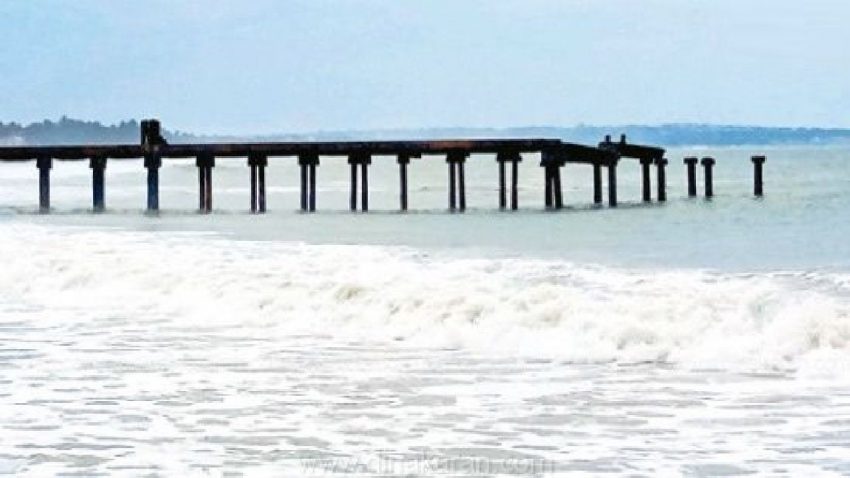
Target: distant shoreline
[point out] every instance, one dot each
(72, 131)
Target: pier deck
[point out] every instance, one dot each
(554, 154)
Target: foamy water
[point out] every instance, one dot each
(424, 344)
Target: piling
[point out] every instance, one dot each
(205, 162)
(44, 164)
(253, 186)
(364, 177)
(503, 190)
(202, 189)
(302, 164)
(361, 161)
(758, 175)
(403, 161)
(708, 165)
(597, 183)
(98, 168)
(312, 169)
(660, 164)
(257, 163)
(514, 183)
(691, 163)
(261, 186)
(551, 161)
(308, 163)
(457, 185)
(152, 164)
(514, 158)
(646, 186)
(556, 185)
(352, 199)
(612, 184)
(151, 141)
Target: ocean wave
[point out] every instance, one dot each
(513, 306)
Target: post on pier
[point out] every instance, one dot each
(44, 164)
(457, 183)
(691, 163)
(514, 158)
(552, 161)
(758, 175)
(360, 161)
(403, 162)
(98, 169)
(205, 162)
(661, 176)
(646, 186)
(708, 165)
(597, 183)
(258, 162)
(308, 163)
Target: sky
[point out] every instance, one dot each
(267, 66)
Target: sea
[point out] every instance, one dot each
(694, 337)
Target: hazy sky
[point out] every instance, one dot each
(297, 65)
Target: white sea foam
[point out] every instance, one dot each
(519, 307)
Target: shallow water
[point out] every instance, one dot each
(702, 338)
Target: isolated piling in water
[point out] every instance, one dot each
(98, 168)
(758, 175)
(44, 164)
(457, 185)
(660, 164)
(514, 158)
(646, 186)
(691, 164)
(708, 165)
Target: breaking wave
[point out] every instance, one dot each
(512, 306)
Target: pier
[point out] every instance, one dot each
(554, 156)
